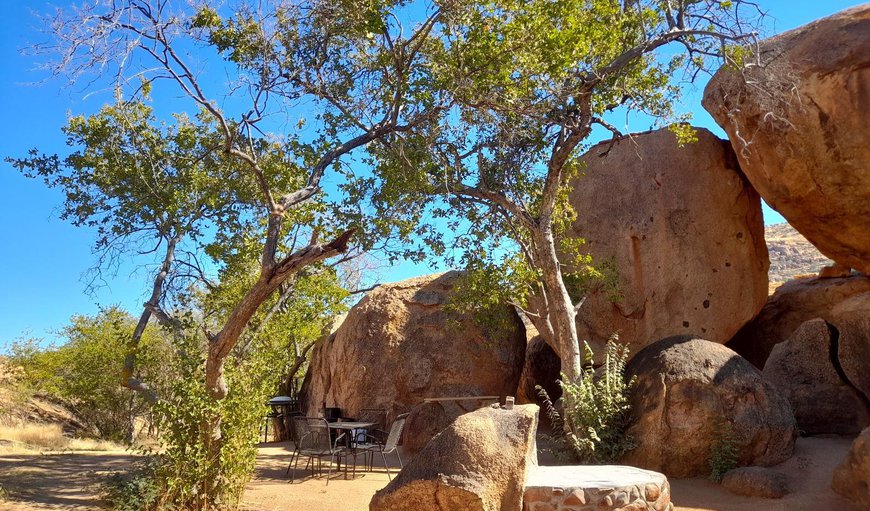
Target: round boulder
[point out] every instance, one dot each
(402, 343)
(803, 369)
(678, 230)
(690, 395)
(798, 123)
(852, 477)
(789, 307)
(851, 318)
(756, 482)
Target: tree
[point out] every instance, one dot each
(529, 82)
(218, 185)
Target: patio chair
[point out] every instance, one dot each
(391, 445)
(300, 430)
(315, 443)
(379, 417)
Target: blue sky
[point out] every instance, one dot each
(44, 259)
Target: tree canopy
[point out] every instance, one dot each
(311, 131)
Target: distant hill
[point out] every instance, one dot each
(791, 254)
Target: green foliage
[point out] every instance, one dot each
(595, 408)
(486, 291)
(183, 472)
(85, 371)
(725, 450)
(134, 489)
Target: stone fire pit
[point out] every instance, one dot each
(596, 487)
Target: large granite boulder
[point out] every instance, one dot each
(681, 227)
(427, 419)
(851, 318)
(852, 477)
(401, 344)
(542, 367)
(799, 126)
(803, 369)
(478, 463)
(791, 305)
(692, 393)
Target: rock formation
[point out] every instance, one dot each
(805, 368)
(851, 318)
(692, 393)
(799, 126)
(852, 477)
(478, 463)
(683, 231)
(792, 304)
(426, 420)
(791, 255)
(756, 482)
(401, 344)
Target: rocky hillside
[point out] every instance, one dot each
(791, 254)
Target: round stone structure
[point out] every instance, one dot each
(596, 487)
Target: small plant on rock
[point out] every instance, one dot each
(592, 426)
(724, 452)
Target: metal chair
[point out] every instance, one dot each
(314, 442)
(379, 417)
(299, 426)
(391, 445)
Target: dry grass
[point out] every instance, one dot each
(29, 437)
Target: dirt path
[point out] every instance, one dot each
(808, 471)
(66, 481)
(271, 489)
(809, 475)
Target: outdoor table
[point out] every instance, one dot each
(349, 428)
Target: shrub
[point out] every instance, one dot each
(84, 371)
(186, 471)
(133, 490)
(724, 451)
(595, 409)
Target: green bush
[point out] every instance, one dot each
(186, 471)
(133, 490)
(724, 452)
(84, 372)
(595, 409)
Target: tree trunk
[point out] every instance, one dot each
(560, 309)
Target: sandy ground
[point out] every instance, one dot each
(66, 481)
(809, 475)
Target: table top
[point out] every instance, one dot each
(281, 400)
(351, 425)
